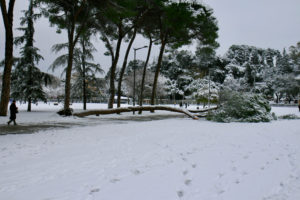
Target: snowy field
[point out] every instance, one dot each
(161, 156)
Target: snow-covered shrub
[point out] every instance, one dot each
(241, 107)
(201, 89)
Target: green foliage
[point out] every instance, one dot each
(242, 107)
(27, 79)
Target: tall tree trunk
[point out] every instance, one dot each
(124, 67)
(83, 73)
(30, 57)
(162, 49)
(29, 105)
(8, 23)
(69, 72)
(30, 85)
(144, 74)
(113, 69)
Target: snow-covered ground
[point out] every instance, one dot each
(121, 157)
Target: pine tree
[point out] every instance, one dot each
(285, 63)
(27, 78)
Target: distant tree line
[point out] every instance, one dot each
(242, 68)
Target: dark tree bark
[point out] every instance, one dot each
(162, 49)
(69, 68)
(72, 40)
(30, 57)
(113, 69)
(83, 74)
(8, 24)
(124, 67)
(144, 73)
(29, 105)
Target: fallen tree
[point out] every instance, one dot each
(133, 109)
(203, 110)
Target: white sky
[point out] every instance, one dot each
(262, 23)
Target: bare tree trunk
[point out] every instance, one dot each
(113, 69)
(8, 23)
(83, 74)
(144, 74)
(124, 67)
(29, 105)
(162, 48)
(30, 57)
(69, 72)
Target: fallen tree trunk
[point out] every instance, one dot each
(131, 109)
(204, 110)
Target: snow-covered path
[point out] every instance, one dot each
(161, 160)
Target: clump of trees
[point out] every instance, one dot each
(199, 75)
(202, 74)
(164, 22)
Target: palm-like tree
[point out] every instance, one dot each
(84, 70)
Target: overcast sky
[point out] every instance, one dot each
(262, 23)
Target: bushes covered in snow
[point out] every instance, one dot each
(241, 107)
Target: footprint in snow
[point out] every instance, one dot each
(187, 182)
(219, 190)
(233, 169)
(115, 180)
(244, 173)
(184, 159)
(220, 175)
(94, 190)
(136, 172)
(194, 165)
(180, 193)
(185, 172)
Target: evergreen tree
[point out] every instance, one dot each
(294, 53)
(285, 63)
(27, 79)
